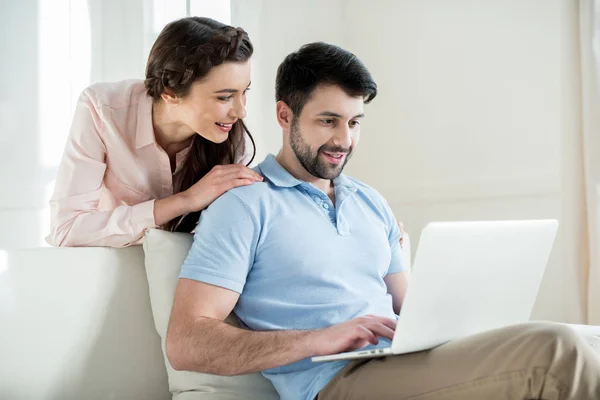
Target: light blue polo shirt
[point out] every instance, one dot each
(298, 261)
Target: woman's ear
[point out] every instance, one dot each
(284, 115)
(170, 97)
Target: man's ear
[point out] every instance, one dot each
(170, 97)
(284, 115)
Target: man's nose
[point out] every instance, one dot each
(343, 137)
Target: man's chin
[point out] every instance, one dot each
(332, 172)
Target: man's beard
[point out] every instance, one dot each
(311, 161)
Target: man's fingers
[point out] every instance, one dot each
(382, 330)
(368, 335)
(390, 323)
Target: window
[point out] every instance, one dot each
(161, 12)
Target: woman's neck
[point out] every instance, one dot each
(169, 132)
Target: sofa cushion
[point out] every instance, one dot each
(165, 252)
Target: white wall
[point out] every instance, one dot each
(476, 117)
(276, 28)
(50, 51)
(477, 108)
(20, 176)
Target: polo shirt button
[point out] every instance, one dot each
(326, 206)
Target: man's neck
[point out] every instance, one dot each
(291, 164)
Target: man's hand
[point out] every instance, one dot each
(351, 335)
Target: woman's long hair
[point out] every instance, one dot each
(184, 52)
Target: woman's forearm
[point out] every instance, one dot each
(170, 207)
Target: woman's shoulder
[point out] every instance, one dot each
(121, 94)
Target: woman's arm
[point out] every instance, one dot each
(75, 217)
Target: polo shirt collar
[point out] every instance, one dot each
(280, 177)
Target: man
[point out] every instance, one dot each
(310, 262)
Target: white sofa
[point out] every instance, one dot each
(76, 323)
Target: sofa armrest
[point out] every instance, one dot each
(76, 324)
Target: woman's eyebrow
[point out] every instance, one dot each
(230, 90)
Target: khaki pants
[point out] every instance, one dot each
(530, 361)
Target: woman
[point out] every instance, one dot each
(151, 153)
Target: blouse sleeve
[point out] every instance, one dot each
(75, 216)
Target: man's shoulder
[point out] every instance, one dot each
(371, 195)
(365, 189)
(249, 196)
(253, 192)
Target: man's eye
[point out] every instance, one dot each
(327, 121)
(354, 123)
(225, 98)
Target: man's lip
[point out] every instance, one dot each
(335, 154)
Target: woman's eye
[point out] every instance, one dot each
(225, 98)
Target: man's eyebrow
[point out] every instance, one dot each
(231, 90)
(336, 115)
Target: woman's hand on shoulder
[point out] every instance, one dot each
(401, 226)
(219, 180)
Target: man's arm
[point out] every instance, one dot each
(199, 340)
(397, 284)
(398, 273)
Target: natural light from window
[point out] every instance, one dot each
(215, 9)
(3, 261)
(65, 64)
(165, 11)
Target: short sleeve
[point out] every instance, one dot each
(224, 246)
(397, 263)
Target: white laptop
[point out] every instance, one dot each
(468, 277)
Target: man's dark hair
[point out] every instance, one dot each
(317, 64)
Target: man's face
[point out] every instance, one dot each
(325, 134)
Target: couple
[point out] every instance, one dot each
(308, 258)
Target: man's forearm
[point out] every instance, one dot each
(213, 346)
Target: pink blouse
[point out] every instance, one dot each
(112, 169)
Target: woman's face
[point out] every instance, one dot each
(217, 101)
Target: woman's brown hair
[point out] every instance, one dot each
(183, 53)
